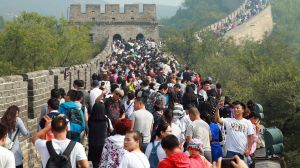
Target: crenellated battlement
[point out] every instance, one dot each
(132, 13)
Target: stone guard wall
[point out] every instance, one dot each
(31, 91)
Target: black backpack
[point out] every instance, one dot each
(145, 94)
(59, 160)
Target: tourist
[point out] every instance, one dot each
(113, 106)
(53, 112)
(113, 149)
(239, 137)
(154, 151)
(55, 93)
(73, 110)
(7, 159)
(94, 93)
(195, 149)
(134, 158)
(199, 129)
(142, 121)
(60, 143)
(175, 157)
(99, 130)
(15, 126)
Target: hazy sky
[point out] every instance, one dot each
(12, 8)
(161, 2)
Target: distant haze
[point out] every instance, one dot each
(159, 2)
(58, 8)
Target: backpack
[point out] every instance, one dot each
(153, 158)
(59, 160)
(77, 124)
(145, 94)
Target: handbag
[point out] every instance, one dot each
(10, 143)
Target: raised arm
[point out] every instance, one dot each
(41, 134)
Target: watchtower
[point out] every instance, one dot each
(133, 23)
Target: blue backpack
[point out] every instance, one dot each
(77, 123)
(153, 158)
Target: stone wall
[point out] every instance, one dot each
(126, 31)
(112, 13)
(30, 91)
(132, 22)
(255, 28)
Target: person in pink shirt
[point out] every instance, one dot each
(195, 149)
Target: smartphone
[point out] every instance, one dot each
(226, 163)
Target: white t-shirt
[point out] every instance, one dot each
(143, 122)
(176, 131)
(160, 152)
(77, 154)
(201, 130)
(134, 160)
(237, 133)
(7, 158)
(94, 93)
(204, 94)
(129, 108)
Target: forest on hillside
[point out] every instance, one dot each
(33, 42)
(200, 13)
(267, 72)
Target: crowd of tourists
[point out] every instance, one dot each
(142, 111)
(252, 8)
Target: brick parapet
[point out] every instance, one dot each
(30, 91)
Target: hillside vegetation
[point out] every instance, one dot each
(200, 13)
(32, 42)
(267, 72)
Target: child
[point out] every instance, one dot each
(195, 149)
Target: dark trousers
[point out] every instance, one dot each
(95, 164)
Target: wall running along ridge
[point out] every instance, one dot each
(255, 28)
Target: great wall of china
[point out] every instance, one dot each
(254, 28)
(31, 90)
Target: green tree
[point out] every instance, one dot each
(200, 13)
(33, 42)
(74, 44)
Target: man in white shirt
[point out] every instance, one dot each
(203, 91)
(142, 121)
(7, 158)
(60, 142)
(94, 93)
(239, 138)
